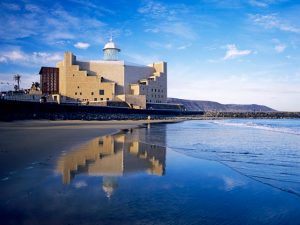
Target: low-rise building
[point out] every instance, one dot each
(49, 78)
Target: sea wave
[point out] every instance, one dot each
(269, 158)
(267, 127)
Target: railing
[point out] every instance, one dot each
(26, 98)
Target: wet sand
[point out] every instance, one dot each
(24, 142)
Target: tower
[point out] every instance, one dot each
(111, 50)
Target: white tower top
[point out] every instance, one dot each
(111, 50)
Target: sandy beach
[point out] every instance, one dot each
(86, 172)
(24, 142)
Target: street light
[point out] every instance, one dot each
(17, 78)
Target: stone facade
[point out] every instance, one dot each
(112, 80)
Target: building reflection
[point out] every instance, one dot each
(113, 156)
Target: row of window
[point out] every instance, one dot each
(95, 99)
(158, 90)
(157, 96)
(157, 101)
(154, 90)
(101, 92)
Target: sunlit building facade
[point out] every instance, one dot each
(111, 80)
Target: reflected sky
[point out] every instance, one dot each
(133, 178)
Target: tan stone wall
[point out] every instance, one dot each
(135, 89)
(156, 88)
(82, 81)
(78, 85)
(111, 70)
(135, 73)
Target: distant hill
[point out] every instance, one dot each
(198, 105)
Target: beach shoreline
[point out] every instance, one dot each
(28, 141)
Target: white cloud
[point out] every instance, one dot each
(183, 47)
(156, 10)
(82, 45)
(38, 58)
(152, 30)
(45, 58)
(168, 18)
(14, 55)
(180, 29)
(33, 8)
(232, 52)
(11, 6)
(35, 21)
(265, 3)
(258, 3)
(280, 48)
(271, 21)
(2, 59)
(159, 45)
(97, 7)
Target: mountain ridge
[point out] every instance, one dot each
(200, 105)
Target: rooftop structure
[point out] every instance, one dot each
(111, 50)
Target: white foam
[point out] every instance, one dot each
(259, 126)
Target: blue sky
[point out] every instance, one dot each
(233, 51)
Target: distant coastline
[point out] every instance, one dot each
(208, 106)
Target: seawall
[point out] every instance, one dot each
(20, 110)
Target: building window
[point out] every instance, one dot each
(155, 90)
(101, 92)
(95, 99)
(92, 93)
(107, 99)
(75, 93)
(78, 87)
(101, 99)
(80, 93)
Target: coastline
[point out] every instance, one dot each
(61, 177)
(25, 142)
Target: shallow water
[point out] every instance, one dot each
(265, 150)
(195, 172)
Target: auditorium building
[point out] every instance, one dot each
(106, 82)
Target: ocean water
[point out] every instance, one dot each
(265, 150)
(193, 172)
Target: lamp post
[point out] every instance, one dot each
(17, 78)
